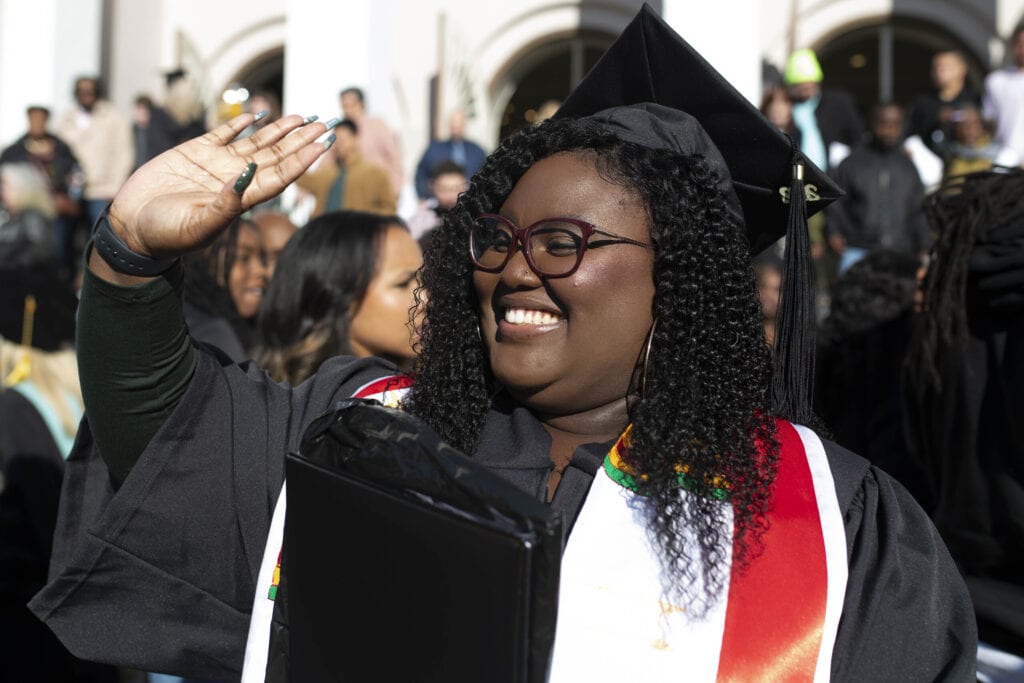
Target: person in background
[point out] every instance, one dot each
(778, 109)
(260, 101)
(861, 348)
(346, 180)
(882, 207)
(344, 286)
(930, 117)
(224, 285)
(184, 105)
(1004, 97)
(768, 271)
(447, 182)
(54, 158)
(101, 139)
(26, 217)
(546, 110)
(456, 149)
(275, 231)
(377, 144)
(40, 408)
(964, 400)
(971, 147)
(153, 129)
(827, 119)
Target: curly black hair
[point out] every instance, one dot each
(704, 409)
(874, 290)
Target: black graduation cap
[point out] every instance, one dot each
(47, 324)
(174, 75)
(653, 89)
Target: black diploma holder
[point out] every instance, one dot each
(407, 561)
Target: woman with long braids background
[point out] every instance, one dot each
(964, 397)
(592, 335)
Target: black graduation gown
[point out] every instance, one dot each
(31, 468)
(160, 574)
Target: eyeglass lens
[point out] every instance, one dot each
(554, 245)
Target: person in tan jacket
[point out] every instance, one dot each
(101, 139)
(348, 181)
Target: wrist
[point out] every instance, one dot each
(109, 245)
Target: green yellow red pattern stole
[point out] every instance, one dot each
(780, 614)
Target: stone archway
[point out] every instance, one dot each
(891, 59)
(545, 74)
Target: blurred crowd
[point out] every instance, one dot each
(331, 268)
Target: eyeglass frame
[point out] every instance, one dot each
(521, 239)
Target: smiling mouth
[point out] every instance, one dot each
(528, 316)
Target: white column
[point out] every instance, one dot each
(328, 46)
(44, 45)
(727, 34)
(136, 52)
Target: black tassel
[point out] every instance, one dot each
(793, 369)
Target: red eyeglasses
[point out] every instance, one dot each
(553, 247)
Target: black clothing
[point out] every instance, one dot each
(158, 136)
(216, 331)
(969, 435)
(58, 166)
(132, 376)
(185, 534)
(857, 394)
(838, 119)
(53, 325)
(26, 240)
(32, 468)
(924, 117)
(882, 207)
(179, 544)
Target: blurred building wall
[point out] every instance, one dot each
(416, 59)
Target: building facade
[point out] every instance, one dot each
(499, 60)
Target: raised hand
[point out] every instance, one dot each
(182, 199)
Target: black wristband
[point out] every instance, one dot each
(119, 257)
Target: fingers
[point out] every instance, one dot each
(267, 146)
(226, 206)
(273, 177)
(229, 130)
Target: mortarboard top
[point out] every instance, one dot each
(51, 325)
(174, 75)
(651, 88)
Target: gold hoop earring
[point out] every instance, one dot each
(647, 358)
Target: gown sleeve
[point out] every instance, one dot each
(159, 574)
(907, 614)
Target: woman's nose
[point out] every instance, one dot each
(517, 271)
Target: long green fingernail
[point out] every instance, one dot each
(309, 119)
(330, 141)
(246, 178)
(332, 123)
(261, 115)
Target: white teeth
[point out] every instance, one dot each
(524, 316)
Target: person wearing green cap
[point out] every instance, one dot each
(827, 118)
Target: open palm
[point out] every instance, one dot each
(182, 199)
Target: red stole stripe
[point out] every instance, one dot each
(379, 386)
(776, 608)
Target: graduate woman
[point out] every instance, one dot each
(593, 336)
